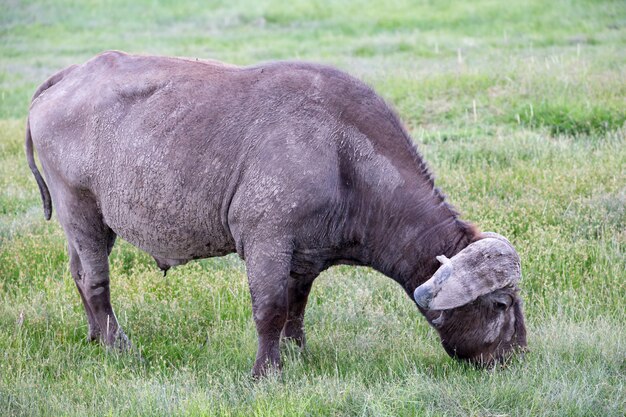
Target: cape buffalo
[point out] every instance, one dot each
(295, 166)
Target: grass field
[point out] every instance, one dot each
(520, 109)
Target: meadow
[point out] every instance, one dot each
(519, 109)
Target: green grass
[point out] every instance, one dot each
(520, 110)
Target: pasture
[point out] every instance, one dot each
(519, 108)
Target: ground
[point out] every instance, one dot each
(519, 108)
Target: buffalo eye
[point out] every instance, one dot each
(500, 305)
(500, 301)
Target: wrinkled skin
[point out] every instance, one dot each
(295, 166)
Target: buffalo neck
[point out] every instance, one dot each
(403, 222)
(403, 236)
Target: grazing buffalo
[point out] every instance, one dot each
(295, 166)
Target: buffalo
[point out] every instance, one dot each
(295, 166)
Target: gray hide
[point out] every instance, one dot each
(294, 166)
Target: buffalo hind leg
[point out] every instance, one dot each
(298, 289)
(76, 269)
(94, 288)
(90, 241)
(268, 267)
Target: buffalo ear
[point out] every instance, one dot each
(484, 266)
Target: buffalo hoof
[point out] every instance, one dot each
(296, 340)
(93, 335)
(266, 370)
(118, 342)
(294, 335)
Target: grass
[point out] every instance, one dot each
(519, 108)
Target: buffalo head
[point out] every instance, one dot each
(473, 302)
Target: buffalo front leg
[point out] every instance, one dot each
(268, 270)
(298, 289)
